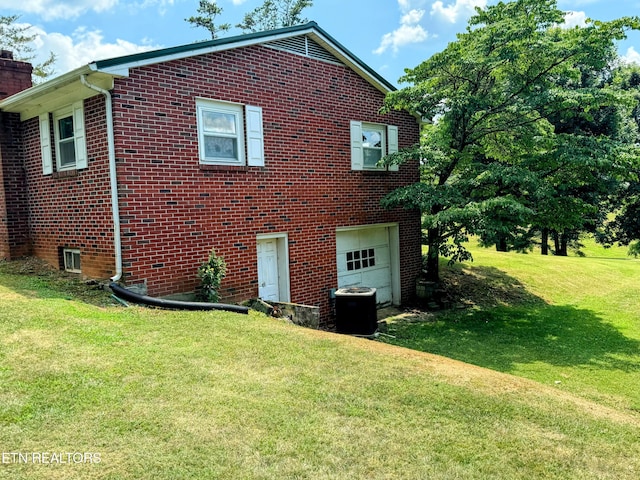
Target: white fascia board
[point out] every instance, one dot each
(55, 93)
(119, 71)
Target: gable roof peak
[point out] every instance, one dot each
(120, 65)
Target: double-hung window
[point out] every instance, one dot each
(65, 139)
(224, 129)
(69, 139)
(373, 145)
(370, 142)
(221, 133)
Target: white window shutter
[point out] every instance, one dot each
(79, 135)
(357, 161)
(255, 136)
(392, 142)
(45, 144)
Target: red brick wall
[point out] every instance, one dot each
(73, 209)
(174, 211)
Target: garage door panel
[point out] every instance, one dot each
(342, 263)
(350, 280)
(349, 240)
(380, 280)
(358, 244)
(384, 295)
(376, 278)
(383, 256)
(375, 236)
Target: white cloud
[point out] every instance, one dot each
(460, 10)
(81, 48)
(410, 30)
(575, 19)
(142, 4)
(412, 17)
(50, 9)
(238, 2)
(632, 56)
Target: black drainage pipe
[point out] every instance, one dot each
(173, 304)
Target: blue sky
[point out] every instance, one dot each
(388, 35)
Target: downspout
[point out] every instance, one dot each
(112, 176)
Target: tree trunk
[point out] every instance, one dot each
(563, 245)
(433, 255)
(544, 249)
(560, 242)
(501, 244)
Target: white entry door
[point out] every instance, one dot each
(268, 270)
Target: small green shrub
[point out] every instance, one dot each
(211, 274)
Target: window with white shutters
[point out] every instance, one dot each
(69, 143)
(370, 142)
(229, 133)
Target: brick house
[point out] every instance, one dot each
(262, 146)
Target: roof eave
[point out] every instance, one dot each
(55, 93)
(119, 65)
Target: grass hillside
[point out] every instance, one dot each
(570, 322)
(154, 394)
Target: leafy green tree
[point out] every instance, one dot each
(274, 14)
(207, 13)
(19, 40)
(586, 164)
(489, 98)
(623, 226)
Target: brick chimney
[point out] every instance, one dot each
(15, 75)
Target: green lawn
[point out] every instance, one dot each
(574, 323)
(189, 395)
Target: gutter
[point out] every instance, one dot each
(112, 176)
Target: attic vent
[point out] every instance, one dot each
(303, 45)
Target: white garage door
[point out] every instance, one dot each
(364, 260)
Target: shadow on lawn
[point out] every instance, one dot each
(508, 325)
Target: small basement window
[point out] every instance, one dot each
(72, 260)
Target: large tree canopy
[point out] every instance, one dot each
(492, 102)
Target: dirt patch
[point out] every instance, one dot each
(465, 287)
(27, 266)
(485, 287)
(68, 284)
